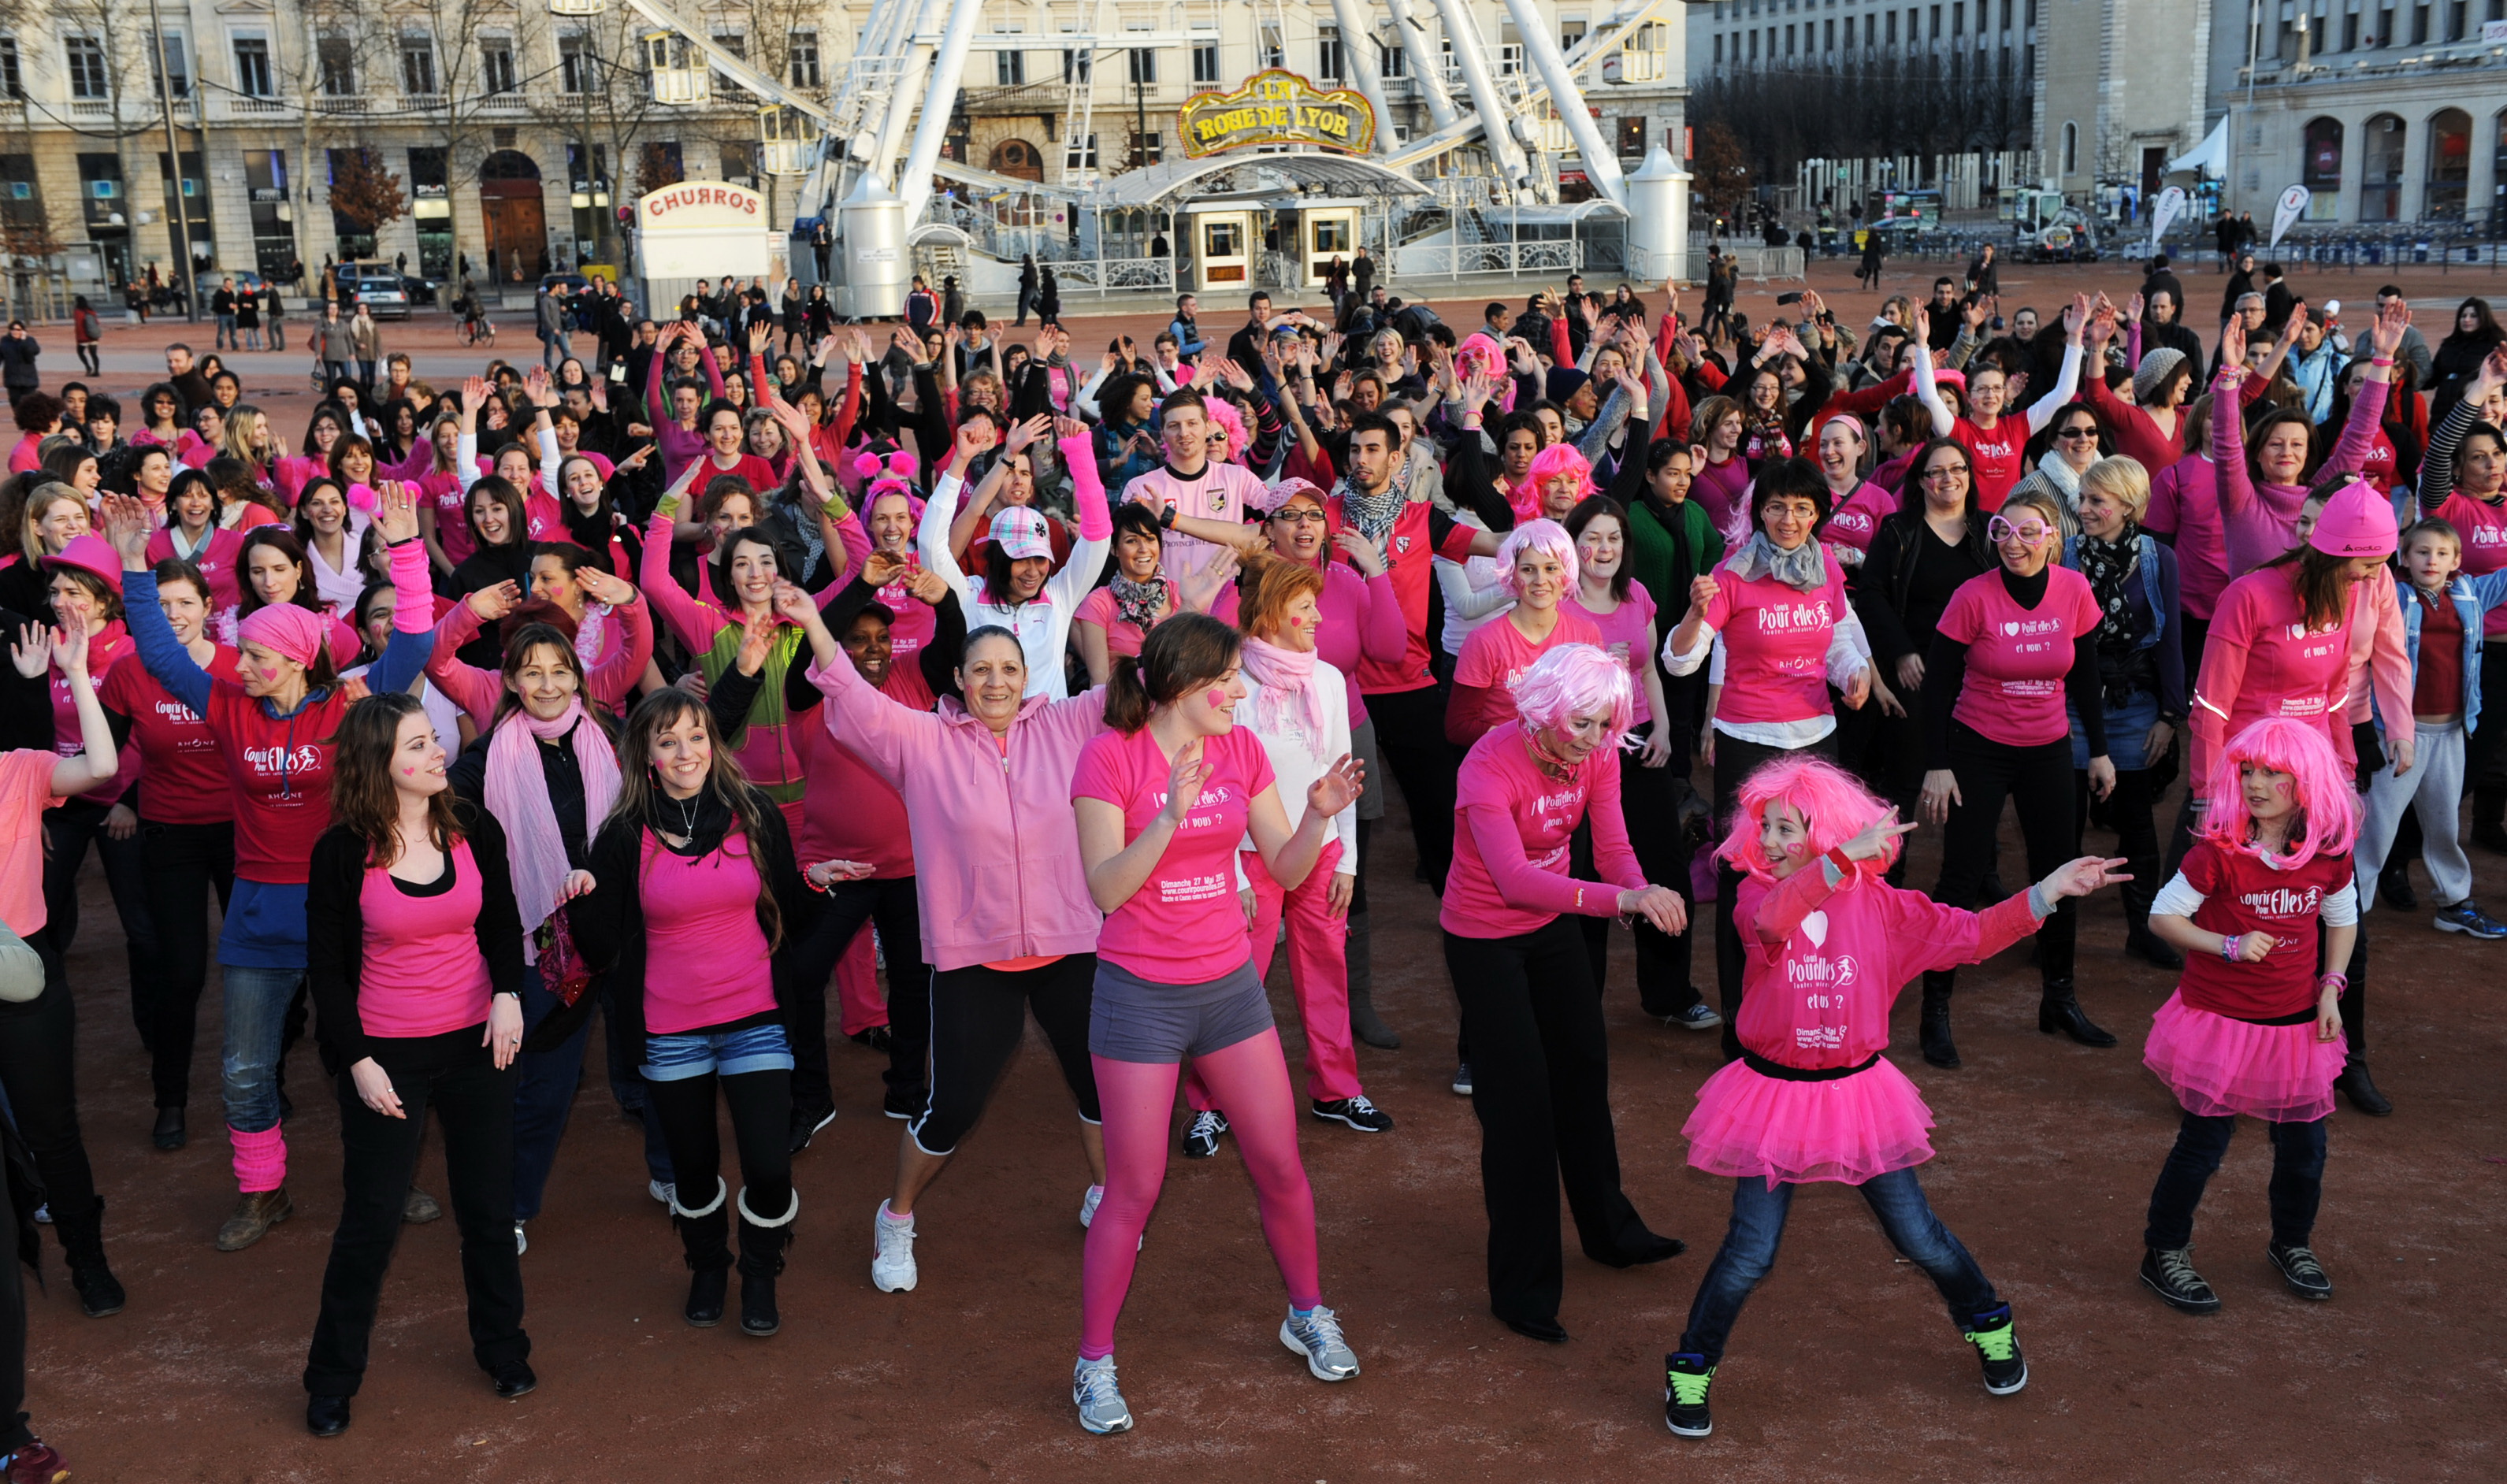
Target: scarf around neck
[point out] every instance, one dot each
(1140, 604)
(1804, 569)
(1289, 706)
(516, 794)
(1372, 515)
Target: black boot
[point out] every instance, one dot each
(2058, 1010)
(2355, 1084)
(761, 1263)
(2138, 940)
(83, 1244)
(1933, 1031)
(705, 1233)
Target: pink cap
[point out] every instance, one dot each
(91, 552)
(1021, 532)
(2356, 523)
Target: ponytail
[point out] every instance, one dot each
(1127, 701)
(1187, 650)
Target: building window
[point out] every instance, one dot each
(577, 65)
(338, 67)
(736, 44)
(86, 67)
(801, 59)
(252, 67)
(1327, 54)
(1009, 68)
(2071, 149)
(1078, 65)
(1893, 28)
(1205, 62)
(2449, 165)
(1719, 50)
(1275, 52)
(1148, 149)
(1849, 34)
(171, 65)
(416, 67)
(1571, 34)
(1509, 59)
(2380, 170)
(12, 77)
(1389, 62)
(497, 65)
(1079, 154)
(1141, 66)
(1632, 138)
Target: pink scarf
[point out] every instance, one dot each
(518, 796)
(1289, 706)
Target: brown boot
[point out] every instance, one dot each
(254, 1215)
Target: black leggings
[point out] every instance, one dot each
(761, 1124)
(1410, 738)
(180, 865)
(978, 1016)
(891, 905)
(2038, 783)
(1649, 804)
(38, 1055)
(67, 831)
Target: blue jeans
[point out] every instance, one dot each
(554, 350)
(1749, 1252)
(543, 1096)
(256, 1016)
(228, 340)
(2297, 1187)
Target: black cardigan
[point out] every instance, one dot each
(335, 927)
(608, 925)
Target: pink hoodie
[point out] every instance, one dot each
(997, 864)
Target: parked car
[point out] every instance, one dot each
(377, 286)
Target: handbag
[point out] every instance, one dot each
(563, 971)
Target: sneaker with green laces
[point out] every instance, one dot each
(1685, 1379)
(1997, 1344)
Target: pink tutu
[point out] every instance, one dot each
(2218, 1066)
(1848, 1130)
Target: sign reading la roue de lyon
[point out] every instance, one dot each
(1277, 107)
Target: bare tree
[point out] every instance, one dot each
(333, 70)
(474, 56)
(598, 96)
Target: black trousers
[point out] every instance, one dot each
(1887, 753)
(1540, 1087)
(14, 1431)
(978, 1016)
(1735, 761)
(2482, 768)
(1410, 738)
(1650, 803)
(457, 1076)
(38, 1060)
(180, 864)
(67, 832)
(891, 905)
(2296, 1192)
(2038, 783)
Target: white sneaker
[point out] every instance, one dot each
(1318, 1339)
(892, 1262)
(1102, 1408)
(661, 1192)
(521, 1243)
(1088, 1204)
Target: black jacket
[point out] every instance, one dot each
(17, 354)
(335, 928)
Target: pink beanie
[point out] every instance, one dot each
(2355, 523)
(285, 628)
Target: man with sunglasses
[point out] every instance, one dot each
(1999, 441)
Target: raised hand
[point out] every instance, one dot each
(127, 526)
(1183, 782)
(792, 601)
(396, 511)
(31, 651)
(2391, 321)
(492, 603)
(880, 569)
(2080, 878)
(1025, 432)
(1872, 842)
(927, 587)
(1362, 553)
(2232, 349)
(1337, 788)
(1703, 590)
(604, 587)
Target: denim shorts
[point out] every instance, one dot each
(1132, 1019)
(724, 1053)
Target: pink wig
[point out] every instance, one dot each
(887, 487)
(2327, 807)
(1479, 355)
(1224, 416)
(1831, 802)
(1575, 680)
(1547, 537)
(1554, 462)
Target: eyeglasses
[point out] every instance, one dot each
(1297, 517)
(1941, 472)
(2071, 433)
(2032, 534)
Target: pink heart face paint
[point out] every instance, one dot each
(1296, 622)
(270, 671)
(1217, 698)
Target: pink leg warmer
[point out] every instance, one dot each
(857, 986)
(260, 1159)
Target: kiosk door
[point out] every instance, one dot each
(1225, 239)
(1329, 234)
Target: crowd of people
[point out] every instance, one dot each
(672, 685)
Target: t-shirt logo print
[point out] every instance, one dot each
(2010, 627)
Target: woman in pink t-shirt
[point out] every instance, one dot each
(1537, 567)
(696, 906)
(1111, 621)
(2014, 645)
(1161, 801)
(414, 956)
(1541, 1072)
(1856, 505)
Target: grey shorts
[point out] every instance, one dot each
(1131, 1019)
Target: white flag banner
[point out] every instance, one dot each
(2164, 212)
(2293, 203)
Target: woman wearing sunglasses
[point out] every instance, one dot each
(2012, 646)
(2069, 445)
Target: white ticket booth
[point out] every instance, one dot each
(1224, 247)
(1328, 230)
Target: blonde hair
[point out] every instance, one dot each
(2040, 501)
(2122, 479)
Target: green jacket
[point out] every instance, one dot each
(1669, 547)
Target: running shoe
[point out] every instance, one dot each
(1685, 1379)
(1997, 1344)
(2466, 917)
(2299, 1270)
(1697, 1017)
(419, 1207)
(892, 1262)
(905, 1103)
(2169, 1273)
(1357, 1112)
(1201, 1141)
(1088, 1204)
(806, 1123)
(662, 1191)
(1100, 1401)
(1316, 1335)
(1462, 1080)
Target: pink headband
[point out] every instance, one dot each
(285, 628)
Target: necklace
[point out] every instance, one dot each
(687, 821)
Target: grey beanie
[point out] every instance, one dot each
(2157, 367)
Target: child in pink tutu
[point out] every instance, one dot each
(2254, 1028)
(1828, 944)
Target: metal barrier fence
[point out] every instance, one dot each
(1756, 262)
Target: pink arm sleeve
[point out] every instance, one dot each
(472, 689)
(2229, 452)
(855, 538)
(2215, 688)
(1561, 345)
(692, 624)
(877, 729)
(612, 678)
(1088, 492)
(2359, 435)
(1938, 937)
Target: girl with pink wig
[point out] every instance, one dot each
(1558, 477)
(1830, 943)
(1537, 565)
(1541, 1061)
(2254, 1028)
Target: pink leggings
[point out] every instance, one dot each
(1250, 1081)
(1318, 973)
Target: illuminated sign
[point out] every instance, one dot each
(1277, 107)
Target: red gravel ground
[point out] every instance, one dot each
(1843, 1365)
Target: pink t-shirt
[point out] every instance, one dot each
(1182, 927)
(25, 792)
(1857, 520)
(1627, 624)
(2484, 529)
(1775, 645)
(1121, 638)
(422, 972)
(2016, 658)
(1512, 824)
(2185, 503)
(706, 961)
(1496, 655)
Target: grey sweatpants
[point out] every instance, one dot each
(2435, 788)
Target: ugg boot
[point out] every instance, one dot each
(705, 1233)
(761, 1263)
